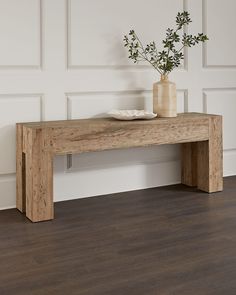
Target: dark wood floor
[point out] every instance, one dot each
(169, 240)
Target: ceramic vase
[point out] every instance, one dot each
(164, 98)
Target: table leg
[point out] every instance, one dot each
(202, 162)
(210, 158)
(39, 177)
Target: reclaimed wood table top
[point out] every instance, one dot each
(87, 135)
(111, 121)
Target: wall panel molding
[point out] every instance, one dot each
(205, 49)
(39, 65)
(222, 101)
(28, 107)
(139, 67)
(39, 96)
(183, 93)
(210, 90)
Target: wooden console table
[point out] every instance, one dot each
(200, 136)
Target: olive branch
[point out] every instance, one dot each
(170, 57)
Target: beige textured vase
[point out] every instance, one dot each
(164, 98)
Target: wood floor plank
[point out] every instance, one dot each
(161, 241)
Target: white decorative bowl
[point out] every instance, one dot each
(131, 114)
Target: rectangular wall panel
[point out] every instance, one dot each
(219, 24)
(229, 162)
(223, 102)
(20, 31)
(14, 108)
(96, 28)
(7, 191)
(93, 182)
(125, 158)
(97, 104)
(88, 105)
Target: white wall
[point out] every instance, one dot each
(65, 59)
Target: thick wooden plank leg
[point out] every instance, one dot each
(210, 158)
(189, 163)
(20, 170)
(39, 177)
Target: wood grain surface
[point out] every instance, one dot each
(20, 170)
(37, 143)
(39, 177)
(163, 241)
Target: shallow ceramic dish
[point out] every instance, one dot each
(131, 114)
